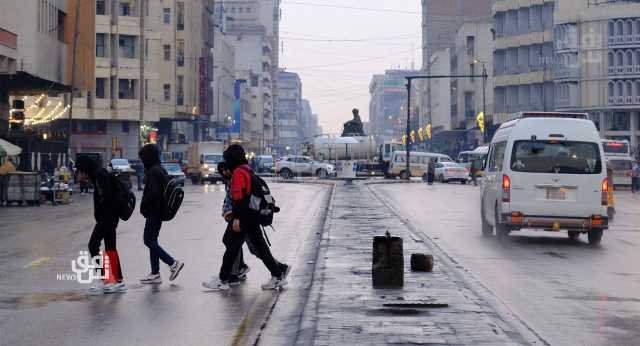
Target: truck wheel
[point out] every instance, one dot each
(285, 173)
(404, 175)
(595, 237)
(574, 235)
(502, 232)
(322, 173)
(487, 230)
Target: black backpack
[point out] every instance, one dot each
(124, 198)
(172, 198)
(261, 201)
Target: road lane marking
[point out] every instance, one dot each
(37, 262)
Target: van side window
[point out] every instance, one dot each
(496, 158)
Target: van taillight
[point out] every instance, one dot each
(605, 192)
(506, 188)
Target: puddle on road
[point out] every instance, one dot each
(602, 298)
(38, 300)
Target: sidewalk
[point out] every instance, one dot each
(344, 309)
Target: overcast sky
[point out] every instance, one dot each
(336, 73)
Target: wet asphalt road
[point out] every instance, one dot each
(38, 243)
(567, 292)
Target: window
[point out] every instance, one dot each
(240, 9)
(180, 16)
(101, 7)
(125, 127)
(472, 71)
(497, 157)
(180, 91)
(101, 45)
(128, 8)
(127, 45)
(60, 27)
(167, 52)
(91, 126)
(471, 45)
(100, 87)
(146, 49)
(166, 15)
(180, 53)
(146, 89)
(254, 80)
(248, 9)
(167, 92)
(127, 89)
(564, 157)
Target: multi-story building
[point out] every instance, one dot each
(308, 121)
(33, 55)
(522, 57)
(597, 64)
(472, 54)
(224, 71)
(289, 112)
(184, 32)
(439, 110)
(387, 112)
(441, 20)
(254, 28)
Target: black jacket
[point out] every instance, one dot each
(104, 199)
(155, 181)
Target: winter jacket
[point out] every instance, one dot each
(241, 173)
(104, 198)
(155, 181)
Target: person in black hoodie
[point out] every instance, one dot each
(104, 211)
(152, 208)
(245, 222)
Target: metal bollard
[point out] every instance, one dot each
(388, 262)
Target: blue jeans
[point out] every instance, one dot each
(151, 232)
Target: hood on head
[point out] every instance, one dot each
(87, 165)
(149, 155)
(235, 156)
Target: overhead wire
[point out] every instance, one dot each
(369, 9)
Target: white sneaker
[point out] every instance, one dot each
(118, 287)
(151, 279)
(97, 288)
(175, 270)
(216, 285)
(274, 283)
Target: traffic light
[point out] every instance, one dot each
(404, 139)
(413, 136)
(480, 119)
(421, 134)
(428, 131)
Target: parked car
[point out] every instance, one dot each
(120, 165)
(264, 164)
(174, 171)
(451, 171)
(546, 171)
(290, 166)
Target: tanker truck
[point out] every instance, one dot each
(362, 149)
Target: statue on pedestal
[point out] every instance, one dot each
(353, 127)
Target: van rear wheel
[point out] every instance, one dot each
(595, 237)
(574, 235)
(502, 231)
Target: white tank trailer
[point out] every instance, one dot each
(361, 148)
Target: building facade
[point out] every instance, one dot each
(522, 57)
(253, 27)
(441, 20)
(597, 64)
(387, 105)
(289, 112)
(183, 33)
(224, 71)
(472, 54)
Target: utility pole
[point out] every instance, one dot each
(484, 101)
(73, 77)
(408, 141)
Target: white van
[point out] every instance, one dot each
(546, 171)
(418, 162)
(622, 170)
